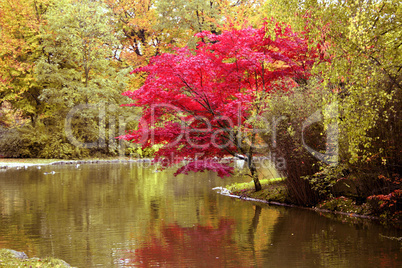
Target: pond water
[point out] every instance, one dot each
(124, 215)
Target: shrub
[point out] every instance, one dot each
(10, 142)
(387, 206)
(294, 108)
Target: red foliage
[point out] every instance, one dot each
(186, 247)
(198, 103)
(390, 204)
(196, 166)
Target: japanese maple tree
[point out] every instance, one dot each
(205, 104)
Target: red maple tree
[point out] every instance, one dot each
(205, 103)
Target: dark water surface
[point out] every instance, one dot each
(122, 215)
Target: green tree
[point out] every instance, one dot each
(188, 15)
(79, 67)
(79, 45)
(180, 20)
(362, 76)
(365, 76)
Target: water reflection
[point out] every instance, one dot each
(176, 246)
(310, 241)
(117, 215)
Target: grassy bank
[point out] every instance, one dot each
(10, 258)
(275, 191)
(13, 162)
(25, 162)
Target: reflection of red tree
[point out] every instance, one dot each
(189, 247)
(386, 258)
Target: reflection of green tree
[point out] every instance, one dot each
(93, 214)
(314, 241)
(73, 208)
(379, 254)
(20, 239)
(84, 214)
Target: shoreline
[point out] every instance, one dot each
(17, 164)
(319, 210)
(6, 163)
(20, 163)
(345, 208)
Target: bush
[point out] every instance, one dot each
(343, 204)
(139, 152)
(10, 142)
(47, 138)
(387, 206)
(294, 108)
(39, 142)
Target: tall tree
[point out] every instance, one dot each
(365, 74)
(135, 20)
(208, 102)
(192, 15)
(180, 20)
(363, 77)
(20, 48)
(79, 65)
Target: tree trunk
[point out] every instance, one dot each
(253, 226)
(254, 175)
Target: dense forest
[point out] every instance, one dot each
(65, 64)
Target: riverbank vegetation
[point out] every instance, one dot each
(273, 190)
(11, 258)
(65, 64)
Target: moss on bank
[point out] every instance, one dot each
(275, 191)
(11, 258)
